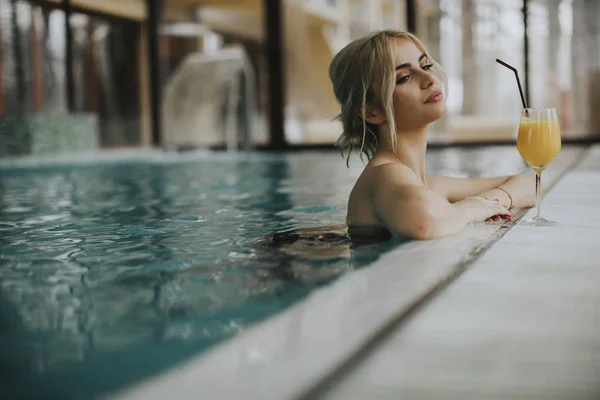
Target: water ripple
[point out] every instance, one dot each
(105, 258)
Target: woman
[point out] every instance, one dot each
(390, 90)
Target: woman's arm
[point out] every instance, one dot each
(520, 187)
(456, 189)
(409, 209)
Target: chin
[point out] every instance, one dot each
(438, 113)
(442, 108)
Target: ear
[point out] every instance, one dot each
(372, 115)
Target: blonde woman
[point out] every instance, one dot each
(390, 90)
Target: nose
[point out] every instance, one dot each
(428, 80)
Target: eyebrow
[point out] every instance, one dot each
(405, 65)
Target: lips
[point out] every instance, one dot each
(435, 97)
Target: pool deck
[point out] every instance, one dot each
(522, 323)
(499, 311)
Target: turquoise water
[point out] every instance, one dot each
(111, 271)
(121, 269)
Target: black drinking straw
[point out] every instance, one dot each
(513, 69)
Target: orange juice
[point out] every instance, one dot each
(538, 142)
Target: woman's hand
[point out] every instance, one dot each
(479, 208)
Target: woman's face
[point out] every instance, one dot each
(417, 98)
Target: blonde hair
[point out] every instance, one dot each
(353, 71)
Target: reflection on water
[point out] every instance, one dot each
(112, 272)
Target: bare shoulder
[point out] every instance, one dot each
(393, 174)
(376, 182)
(382, 176)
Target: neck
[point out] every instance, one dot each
(410, 149)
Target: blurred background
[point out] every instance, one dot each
(241, 74)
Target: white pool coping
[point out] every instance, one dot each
(287, 354)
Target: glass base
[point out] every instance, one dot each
(539, 221)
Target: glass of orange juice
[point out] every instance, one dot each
(538, 143)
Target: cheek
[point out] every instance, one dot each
(406, 104)
(410, 111)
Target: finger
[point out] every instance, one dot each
(502, 210)
(489, 220)
(498, 215)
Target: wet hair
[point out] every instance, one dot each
(353, 71)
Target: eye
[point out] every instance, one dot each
(405, 78)
(427, 67)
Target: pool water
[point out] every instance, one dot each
(111, 271)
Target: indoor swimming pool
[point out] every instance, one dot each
(114, 268)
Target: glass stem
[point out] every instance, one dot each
(538, 184)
